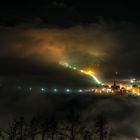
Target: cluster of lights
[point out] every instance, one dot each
(87, 72)
(132, 81)
(55, 90)
(133, 90)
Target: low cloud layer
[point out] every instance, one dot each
(122, 113)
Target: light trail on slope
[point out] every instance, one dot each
(87, 72)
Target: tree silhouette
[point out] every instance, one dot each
(70, 127)
(2, 135)
(33, 128)
(21, 128)
(15, 131)
(101, 127)
(112, 135)
(87, 134)
(48, 128)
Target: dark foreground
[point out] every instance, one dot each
(70, 116)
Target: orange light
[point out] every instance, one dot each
(81, 71)
(89, 72)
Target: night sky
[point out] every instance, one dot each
(66, 13)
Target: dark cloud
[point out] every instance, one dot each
(114, 46)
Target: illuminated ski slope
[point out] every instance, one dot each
(87, 72)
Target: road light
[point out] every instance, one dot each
(80, 90)
(55, 90)
(42, 89)
(30, 89)
(67, 90)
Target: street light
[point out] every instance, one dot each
(67, 90)
(42, 89)
(55, 90)
(80, 90)
(30, 88)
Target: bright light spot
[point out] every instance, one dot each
(42, 89)
(55, 90)
(89, 72)
(132, 80)
(64, 64)
(129, 87)
(92, 89)
(30, 88)
(103, 89)
(67, 90)
(74, 68)
(80, 90)
(96, 79)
